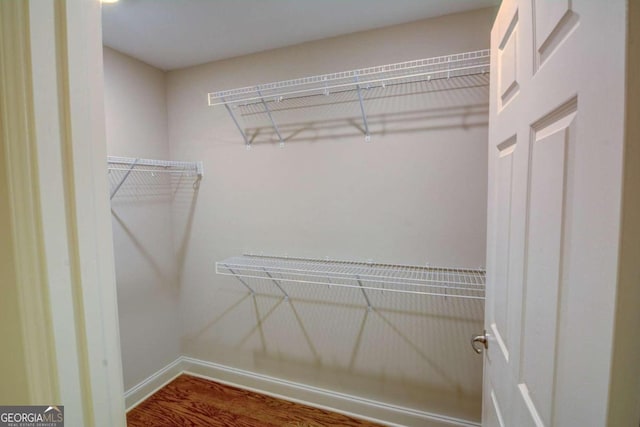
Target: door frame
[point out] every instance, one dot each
(624, 385)
(54, 144)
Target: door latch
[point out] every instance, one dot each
(482, 340)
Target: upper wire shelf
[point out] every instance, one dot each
(423, 69)
(441, 67)
(404, 279)
(124, 166)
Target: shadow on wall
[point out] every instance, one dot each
(408, 347)
(141, 210)
(183, 209)
(147, 266)
(395, 109)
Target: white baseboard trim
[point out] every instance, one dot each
(155, 382)
(358, 407)
(375, 411)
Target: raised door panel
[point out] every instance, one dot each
(554, 20)
(503, 185)
(507, 63)
(493, 416)
(545, 285)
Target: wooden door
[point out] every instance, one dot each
(555, 167)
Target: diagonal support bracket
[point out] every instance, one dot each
(241, 281)
(273, 122)
(124, 178)
(286, 295)
(364, 293)
(367, 135)
(247, 143)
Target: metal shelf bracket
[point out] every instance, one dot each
(241, 281)
(367, 136)
(124, 178)
(247, 143)
(286, 295)
(364, 293)
(273, 122)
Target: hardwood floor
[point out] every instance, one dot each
(192, 401)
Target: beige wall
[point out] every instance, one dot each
(416, 194)
(136, 125)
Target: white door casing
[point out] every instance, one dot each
(52, 61)
(555, 169)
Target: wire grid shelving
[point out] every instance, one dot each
(422, 70)
(122, 168)
(368, 277)
(447, 66)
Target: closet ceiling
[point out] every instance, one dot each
(181, 33)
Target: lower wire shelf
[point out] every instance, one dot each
(368, 277)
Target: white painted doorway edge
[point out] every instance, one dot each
(53, 138)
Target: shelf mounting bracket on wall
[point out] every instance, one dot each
(367, 136)
(273, 122)
(124, 178)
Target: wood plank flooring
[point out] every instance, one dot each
(194, 402)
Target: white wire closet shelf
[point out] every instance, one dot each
(123, 167)
(441, 67)
(404, 279)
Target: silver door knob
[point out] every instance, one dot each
(478, 341)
